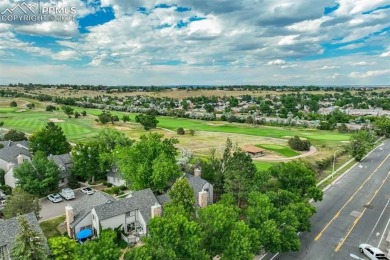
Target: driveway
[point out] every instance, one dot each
(51, 210)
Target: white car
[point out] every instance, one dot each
(67, 194)
(372, 253)
(87, 190)
(54, 198)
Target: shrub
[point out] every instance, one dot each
(13, 104)
(180, 131)
(297, 144)
(123, 187)
(115, 190)
(192, 132)
(109, 184)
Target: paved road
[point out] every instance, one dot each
(355, 210)
(50, 210)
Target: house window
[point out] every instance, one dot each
(4, 253)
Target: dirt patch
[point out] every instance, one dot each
(55, 120)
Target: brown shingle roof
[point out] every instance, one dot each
(252, 149)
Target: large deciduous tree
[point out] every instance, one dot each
(38, 177)
(29, 244)
(21, 203)
(298, 178)
(360, 142)
(50, 140)
(216, 222)
(147, 121)
(171, 237)
(182, 194)
(62, 248)
(149, 163)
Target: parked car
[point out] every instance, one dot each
(54, 198)
(67, 194)
(87, 190)
(372, 253)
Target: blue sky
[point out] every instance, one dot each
(122, 42)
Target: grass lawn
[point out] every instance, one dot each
(279, 149)
(263, 166)
(49, 227)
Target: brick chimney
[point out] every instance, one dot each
(20, 159)
(69, 217)
(203, 198)
(197, 172)
(156, 210)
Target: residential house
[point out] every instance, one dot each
(115, 178)
(100, 211)
(12, 155)
(64, 163)
(10, 229)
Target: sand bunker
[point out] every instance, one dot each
(55, 120)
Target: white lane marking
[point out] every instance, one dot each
(383, 234)
(380, 216)
(274, 256)
(355, 256)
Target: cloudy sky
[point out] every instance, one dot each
(199, 42)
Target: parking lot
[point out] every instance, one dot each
(50, 210)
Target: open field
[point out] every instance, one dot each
(177, 93)
(279, 149)
(207, 134)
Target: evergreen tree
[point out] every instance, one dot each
(29, 244)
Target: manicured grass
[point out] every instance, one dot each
(30, 121)
(318, 136)
(263, 166)
(280, 149)
(49, 227)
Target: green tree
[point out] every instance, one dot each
(298, 178)
(50, 140)
(30, 106)
(242, 243)
(50, 108)
(38, 177)
(21, 203)
(13, 104)
(125, 118)
(383, 126)
(29, 244)
(180, 131)
(103, 248)
(216, 222)
(147, 121)
(360, 142)
(171, 237)
(62, 248)
(239, 176)
(15, 135)
(105, 117)
(137, 163)
(68, 110)
(86, 161)
(182, 194)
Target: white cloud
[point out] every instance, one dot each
(370, 73)
(326, 67)
(385, 54)
(276, 62)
